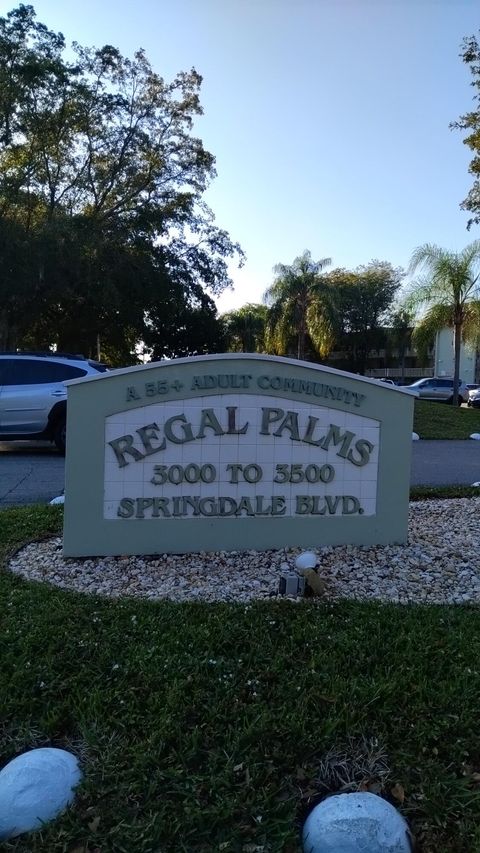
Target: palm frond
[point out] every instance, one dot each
(322, 319)
(427, 255)
(280, 326)
(434, 320)
(471, 323)
(471, 255)
(288, 298)
(422, 292)
(278, 290)
(449, 278)
(322, 335)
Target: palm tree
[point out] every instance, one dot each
(449, 294)
(401, 335)
(245, 328)
(295, 306)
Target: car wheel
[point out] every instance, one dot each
(60, 434)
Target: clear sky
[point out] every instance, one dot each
(329, 119)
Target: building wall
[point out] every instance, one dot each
(444, 357)
(439, 362)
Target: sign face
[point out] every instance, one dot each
(239, 456)
(234, 452)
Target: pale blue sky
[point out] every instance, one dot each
(328, 118)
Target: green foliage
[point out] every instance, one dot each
(424, 493)
(292, 298)
(360, 302)
(101, 184)
(202, 727)
(323, 311)
(175, 329)
(245, 328)
(448, 294)
(435, 318)
(401, 322)
(19, 524)
(470, 122)
(437, 420)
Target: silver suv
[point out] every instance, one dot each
(440, 388)
(33, 397)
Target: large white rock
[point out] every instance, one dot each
(415, 436)
(34, 788)
(306, 560)
(59, 500)
(355, 823)
(475, 436)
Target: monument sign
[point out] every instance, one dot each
(234, 452)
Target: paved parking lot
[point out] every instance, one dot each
(30, 473)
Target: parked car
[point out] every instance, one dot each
(439, 388)
(474, 397)
(33, 396)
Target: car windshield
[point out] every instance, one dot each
(97, 365)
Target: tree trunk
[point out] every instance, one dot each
(361, 361)
(3, 330)
(8, 333)
(302, 327)
(301, 344)
(457, 340)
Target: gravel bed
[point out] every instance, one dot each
(440, 564)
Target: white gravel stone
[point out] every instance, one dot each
(440, 564)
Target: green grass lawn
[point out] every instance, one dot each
(202, 727)
(438, 420)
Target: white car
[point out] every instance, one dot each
(474, 398)
(408, 389)
(440, 389)
(33, 397)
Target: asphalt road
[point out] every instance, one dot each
(34, 473)
(441, 463)
(30, 473)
